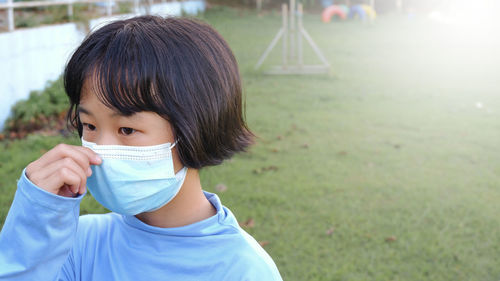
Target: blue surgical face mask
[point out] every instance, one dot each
(134, 179)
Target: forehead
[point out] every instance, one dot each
(116, 95)
(89, 98)
(124, 90)
(95, 101)
(87, 90)
(92, 101)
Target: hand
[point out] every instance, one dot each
(63, 170)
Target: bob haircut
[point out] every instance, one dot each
(180, 68)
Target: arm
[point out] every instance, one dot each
(41, 224)
(38, 233)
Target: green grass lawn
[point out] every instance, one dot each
(386, 169)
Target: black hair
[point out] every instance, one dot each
(180, 68)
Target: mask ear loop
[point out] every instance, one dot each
(173, 145)
(183, 168)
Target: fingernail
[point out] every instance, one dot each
(97, 159)
(89, 172)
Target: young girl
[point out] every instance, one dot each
(154, 100)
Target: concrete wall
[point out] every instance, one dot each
(31, 57)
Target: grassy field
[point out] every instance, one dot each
(386, 169)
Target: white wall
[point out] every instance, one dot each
(31, 57)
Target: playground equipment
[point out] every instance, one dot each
(334, 10)
(357, 11)
(344, 8)
(292, 32)
(369, 11)
(343, 12)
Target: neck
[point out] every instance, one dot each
(189, 206)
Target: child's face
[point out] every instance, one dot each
(104, 126)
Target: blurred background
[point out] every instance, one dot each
(375, 157)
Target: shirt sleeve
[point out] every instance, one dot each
(38, 234)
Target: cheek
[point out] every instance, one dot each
(156, 128)
(85, 134)
(167, 132)
(88, 137)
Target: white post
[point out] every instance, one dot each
(108, 8)
(259, 5)
(136, 7)
(372, 4)
(70, 10)
(299, 35)
(292, 29)
(284, 11)
(150, 2)
(10, 15)
(315, 47)
(269, 48)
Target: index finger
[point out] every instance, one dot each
(94, 158)
(81, 155)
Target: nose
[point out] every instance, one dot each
(106, 139)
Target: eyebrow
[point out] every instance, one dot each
(82, 109)
(115, 113)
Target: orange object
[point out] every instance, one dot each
(334, 10)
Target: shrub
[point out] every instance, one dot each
(43, 110)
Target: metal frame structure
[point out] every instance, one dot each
(292, 32)
(10, 6)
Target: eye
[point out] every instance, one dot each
(126, 131)
(89, 127)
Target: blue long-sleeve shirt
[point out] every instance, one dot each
(44, 239)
